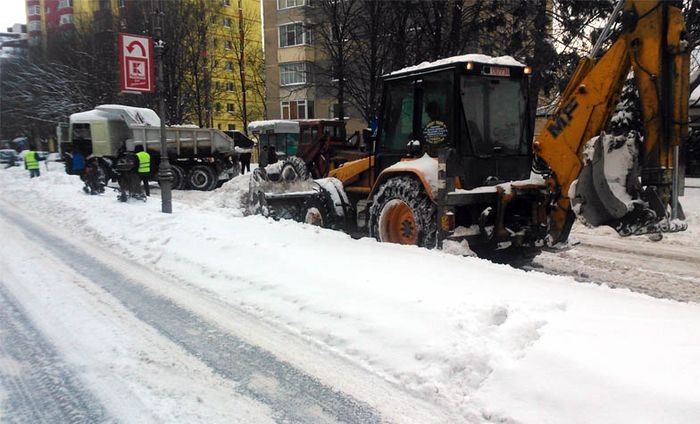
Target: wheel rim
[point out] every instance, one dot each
(314, 217)
(199, 179)
(397, 223)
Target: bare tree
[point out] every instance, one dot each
(248, 54)
(334, 34)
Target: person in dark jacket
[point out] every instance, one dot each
(245, 162)
(128, 178)
(93, 176)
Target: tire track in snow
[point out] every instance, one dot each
(293, 396)
(38, 386)
(663, 271)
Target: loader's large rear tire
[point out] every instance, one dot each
(201, 177)
(403, 213)
(179, 181)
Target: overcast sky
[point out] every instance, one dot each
(12, 12)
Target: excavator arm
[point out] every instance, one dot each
(652, 44)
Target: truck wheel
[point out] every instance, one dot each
(201, 177)
(403, 213)
(179, 181)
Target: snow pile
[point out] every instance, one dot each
(492, 343)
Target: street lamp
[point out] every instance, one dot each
(165, 173)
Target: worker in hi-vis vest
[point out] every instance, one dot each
(31, 163)
(144, 169)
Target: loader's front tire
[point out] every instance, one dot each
(403, 213)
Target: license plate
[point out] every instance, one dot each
(499, 71)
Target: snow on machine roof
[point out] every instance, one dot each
(479, 58)
(276, 125)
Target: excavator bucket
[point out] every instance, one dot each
(604, 198)
(594, 199)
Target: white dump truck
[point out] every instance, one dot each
(201, 158)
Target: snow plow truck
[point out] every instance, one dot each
(454, 158)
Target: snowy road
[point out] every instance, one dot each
(667, 269)
(40, 387)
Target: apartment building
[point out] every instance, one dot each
(291, 57)
(236, 52)
(46, 18)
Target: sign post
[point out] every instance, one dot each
(136, 63)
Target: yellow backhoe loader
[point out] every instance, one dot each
(454, 155)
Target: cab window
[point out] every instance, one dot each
(397, 126)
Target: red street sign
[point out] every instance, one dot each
(136, 63)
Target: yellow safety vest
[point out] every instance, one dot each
(144, 162)
(30, 160)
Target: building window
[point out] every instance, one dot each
(227, 44)
(334, 110)
(231, 127)
(228, 66)
(217, 107)
(229, 108)
(230, 86)
(293, 34)
(297, 109)
(66, 19)
(62, 4)
(227, 2)
(292, 73)
(34, 10)
(227, 22)
(34, 26)
(286, 4)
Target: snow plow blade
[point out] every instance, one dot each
(318, 202)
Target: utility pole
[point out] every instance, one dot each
(165, 173)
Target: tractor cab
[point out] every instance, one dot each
(282, 136)
(474, 105)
